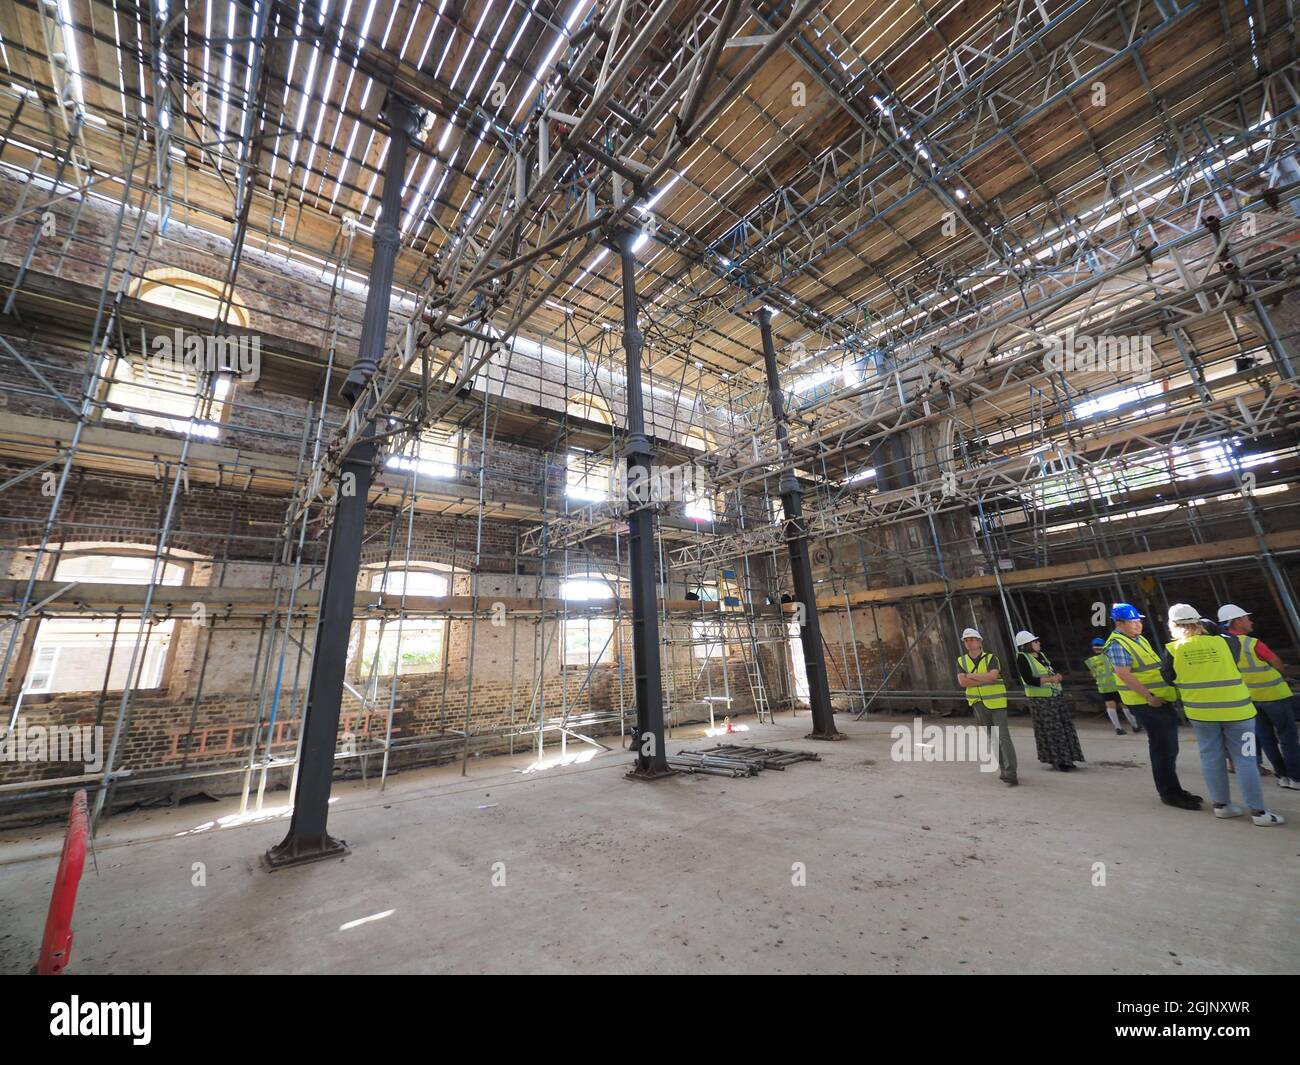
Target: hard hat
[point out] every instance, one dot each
(1023, 637)
(1125, 612)
(971, 634)
(1097, 641)
(1181, 612)
(1228, 612)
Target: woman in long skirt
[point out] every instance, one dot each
(1055, 738)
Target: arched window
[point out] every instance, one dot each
(703, 504)
(588, 477)
(590, 407)
(192, 293)
(436, 453)
(90, 653)
(418, 644)
(707, 639)
(588, 587)
(588, 640)
(154, 392)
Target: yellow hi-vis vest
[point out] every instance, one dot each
(993, 696)
(1208, 680)
(1265, 683)
(1103, 673)
(1039, 691)
(1146, 670)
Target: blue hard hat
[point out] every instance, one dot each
(1097, 641)
(1124, 612)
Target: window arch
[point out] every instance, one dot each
(591, 407)
(434, 453)
(588, 587)
(183, 290)
(588, 640)
(418, 644)
(85, 652)
(708, 639)
(157, 394)
(588, 476)
(702, 504)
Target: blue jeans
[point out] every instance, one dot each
(1234, 740)
(1279, 738)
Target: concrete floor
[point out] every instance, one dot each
(910, 868)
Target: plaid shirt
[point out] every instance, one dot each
(1118, 655)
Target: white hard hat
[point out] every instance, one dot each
(971, 634)
(1181, 612)
(1228, 612)
(1024, 636)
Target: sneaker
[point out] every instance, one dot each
(1264, 771)
(1266, 818)
(1010, 780)
(1288, 782)
(1137, 729)
(1120, 732)
(1193, 798)
(1229, 810)
(1183, 802)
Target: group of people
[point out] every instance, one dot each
(980, 673)
(1229, 684)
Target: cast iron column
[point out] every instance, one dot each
(651, 756)
(308, 839)
(796, 537)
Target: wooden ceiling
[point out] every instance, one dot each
(824, 184)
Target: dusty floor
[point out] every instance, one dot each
(910, 867)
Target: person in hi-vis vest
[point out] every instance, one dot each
(1217, 703)
(1106, 687)
(980, 674)
(1055, 738)
(1261, 669)
(1143, 690)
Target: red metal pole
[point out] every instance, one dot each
(56, 946)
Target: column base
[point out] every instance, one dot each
(293, 851)
(653, 773)
(826, 736)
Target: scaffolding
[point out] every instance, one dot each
(943, 458)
